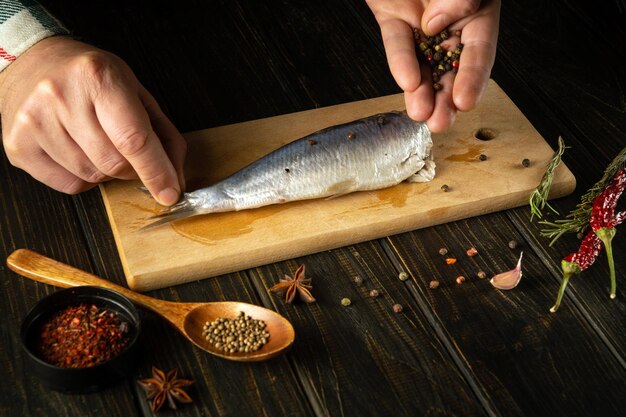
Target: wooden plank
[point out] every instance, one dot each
(219, 243)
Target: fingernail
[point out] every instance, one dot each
(437, 24)
(168, 197)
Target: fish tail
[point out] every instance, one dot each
(180, 210)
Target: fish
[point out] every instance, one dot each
(370, 153)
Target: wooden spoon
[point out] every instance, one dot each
(188, 318)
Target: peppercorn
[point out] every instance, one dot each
(443, 251)
(512, 244)
(374, 293)
(403, 276)
(482, 157)
(525, 162)
(351, 136)
(345, 302)
(445, 188)
(433, 284)
(435, 53)
(481, 274)
(397, 308)
(460, 279)
(358, 280)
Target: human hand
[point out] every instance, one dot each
(478, 22)
(74, 116)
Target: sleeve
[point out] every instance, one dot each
(23, 23)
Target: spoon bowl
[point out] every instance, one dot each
(188, 318)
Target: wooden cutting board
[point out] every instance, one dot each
(214, 244)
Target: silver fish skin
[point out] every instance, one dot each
(366, 154)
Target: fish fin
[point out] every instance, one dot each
(341, 188)
(168, 214)
(425, 173)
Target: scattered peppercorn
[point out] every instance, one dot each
(351, 136)
(450, 261)
(481, 274)
(397, 308)
(512, 244)
(433, 284)
(358, 280)
(345, 302)
(525, 162)
(472, 252)
(460, 279)
(445, 188)
(482, 157)
(403, 276)
(374, 293)
(443, 251)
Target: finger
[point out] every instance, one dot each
(47, 136)
(439, 14)
(46, 170)
(480, 38)
(85, 130)
(399, 43)
(173, 142)
(421, 102)
(444, 112)
(125, 120)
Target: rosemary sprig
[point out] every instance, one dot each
(577, 220)
(539, 197)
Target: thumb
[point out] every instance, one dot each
(439, 14)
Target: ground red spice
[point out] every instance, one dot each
(82, 336)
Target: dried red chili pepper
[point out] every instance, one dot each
(604, 219)
(575, 263)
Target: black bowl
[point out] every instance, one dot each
(89, 379)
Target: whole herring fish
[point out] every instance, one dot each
(366, 154)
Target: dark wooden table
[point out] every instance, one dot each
(463, 350)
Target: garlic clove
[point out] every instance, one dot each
(509, 279)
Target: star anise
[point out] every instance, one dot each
(161, 387)
(289, 287)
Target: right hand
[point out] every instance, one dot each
(74, 116)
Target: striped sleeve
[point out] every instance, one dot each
(23, 23)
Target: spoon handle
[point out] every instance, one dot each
(48, 271)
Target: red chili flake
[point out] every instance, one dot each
(82, 336)
(450, 261)
(472, 252)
